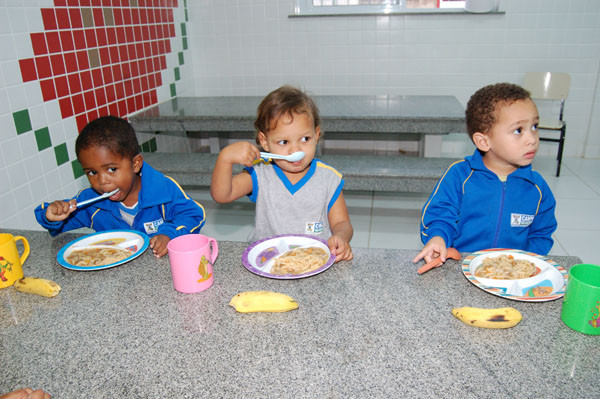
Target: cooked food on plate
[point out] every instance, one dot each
(97, 256)
(300, 260)
(505, 267)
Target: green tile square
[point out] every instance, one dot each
(185, 44)
(146, 147)
(186, 16)
(77, 169)
(183, 29)
(173, 90)
(42, 138)
(22, 120)
(177, 74)
(153, 146)
(181, 58)
(61, 153)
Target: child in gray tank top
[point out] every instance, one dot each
(303, 197)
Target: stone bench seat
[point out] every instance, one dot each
(360, 172)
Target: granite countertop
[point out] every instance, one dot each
(367, 328)
(367, 114)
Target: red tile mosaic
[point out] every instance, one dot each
(124, 42)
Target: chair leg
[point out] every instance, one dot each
(561, 144)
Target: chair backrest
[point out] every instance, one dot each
(547, 85)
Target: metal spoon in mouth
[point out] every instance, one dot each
(295, 157)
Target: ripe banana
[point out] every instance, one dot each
(262, 301)
(39, 286)
(488, 318)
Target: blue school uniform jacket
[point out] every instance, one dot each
(163, 208)
(472, 209)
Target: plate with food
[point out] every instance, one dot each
(103, 250)
(288, 256)
(515, 274)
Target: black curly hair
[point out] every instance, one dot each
(483, 105)
(111, 132)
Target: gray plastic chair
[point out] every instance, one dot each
(553, 86)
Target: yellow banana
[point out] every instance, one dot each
(262, 301)
(488, 318)
(39, 286)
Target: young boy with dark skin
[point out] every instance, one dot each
(492, 199)
(146, 200)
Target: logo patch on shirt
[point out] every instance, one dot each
(519, 220)
(152, 227)
(313, 228)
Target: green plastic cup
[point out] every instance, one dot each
(581, 305)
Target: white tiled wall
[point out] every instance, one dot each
(29, 176)
(244, 47)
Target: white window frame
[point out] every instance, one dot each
(306, 8)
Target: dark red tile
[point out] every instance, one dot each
(62, 86)
(113, 109)
(118, 16)
(153, 97)
(86, 80)
(120, 34)
(58, 64)
(122, 107)
(131, 51)
(133, 67)
(167, 46)
(42, 66)
(144, 83)
(85, 3)
(90, 38)
(114, 54)
(81, 120)
(107, 75)
(53, 40)
(158, 79)
(117, 75)
(135, 16)
(104, 55)
(48, 90)
(100, 96)
(49, 18)
(111, 96)
(125, 71)
(143, 16)
(82, 60)
(129, 34)
(111, 36)
(78, 104)
(163, 62)
(128, 88)
(73, 3)
(103, 111)
(66, 40)
(131, 105)
(141, 65)
(66, 108)
(123, 53)
(89, 99)
(38, 43)
(62, 18)
(28, 72)
(74, 83)
(101, 37)
(147, 100)
(126, 16)
(79, 39)
(75, 18)
(98, 17)
(97, 77)
(70, 62)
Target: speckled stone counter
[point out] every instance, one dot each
(378, 173)
(427, 116)
(368, 328)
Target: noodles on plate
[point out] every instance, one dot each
(505, 267)
(300, 260)
(97, 256)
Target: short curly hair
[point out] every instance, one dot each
(483, 105)
(286, 100)
(111, 132)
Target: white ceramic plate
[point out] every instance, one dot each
(258, 257)
(135, 241)
(547, 285)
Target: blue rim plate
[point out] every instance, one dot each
(139, 244)
(260, 252)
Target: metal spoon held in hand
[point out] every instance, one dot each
(295, 157)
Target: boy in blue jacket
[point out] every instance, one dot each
(146, 200)
(492, 199)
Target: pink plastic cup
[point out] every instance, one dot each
(192, 257)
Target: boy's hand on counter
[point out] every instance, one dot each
(434, 248)
(26, 393)
(60, 210)
(158, 243)
(340, 248)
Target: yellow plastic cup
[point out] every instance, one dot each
(11, 263)
(581, 305)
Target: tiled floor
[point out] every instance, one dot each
(391, 220)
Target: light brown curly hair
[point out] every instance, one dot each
(286, 100)
(482, 107)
